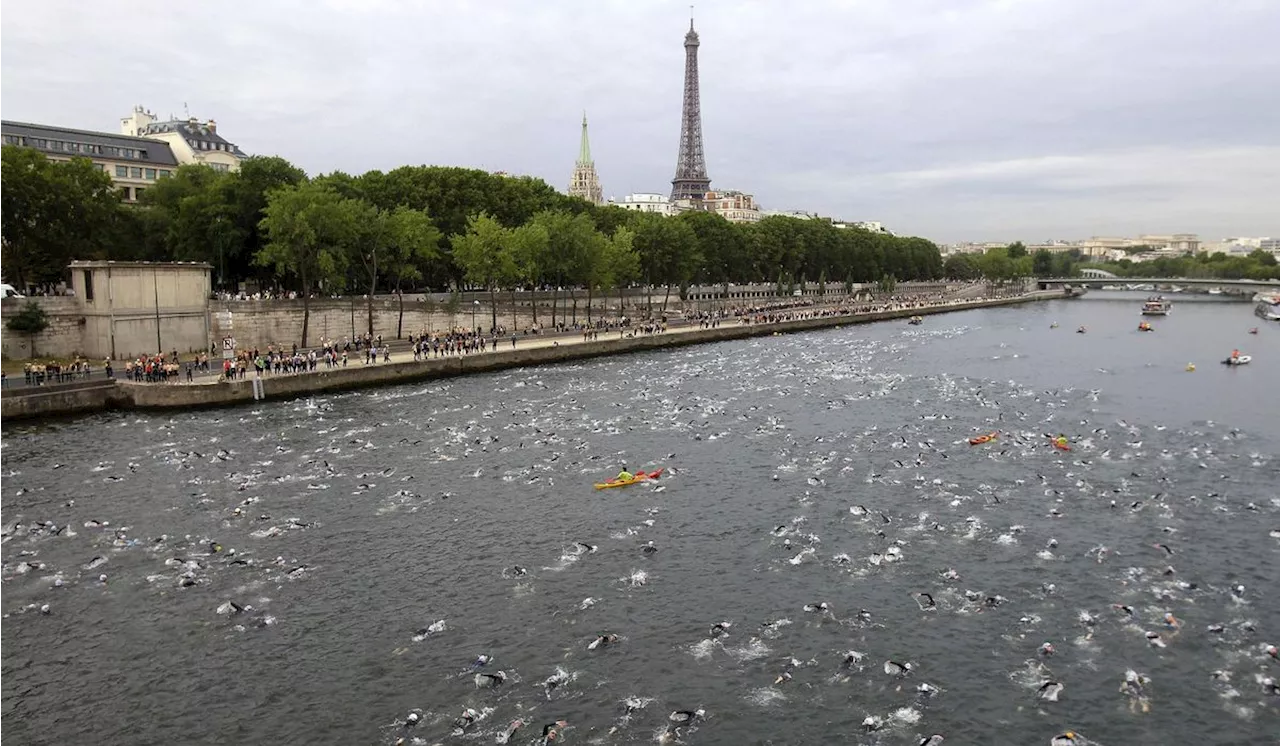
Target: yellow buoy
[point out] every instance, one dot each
(1190, 367)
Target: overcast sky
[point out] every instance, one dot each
(951, 119)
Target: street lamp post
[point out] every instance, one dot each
(475, 304)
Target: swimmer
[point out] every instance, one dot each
(783, 678)
(553, 681)
(588, 548)
(934, 740)
(1049, 691)
(926, 602)
(720, 629)
(815, 608)
(684, 717)
(518, 571)
(551, 731)
(649, 548)
(603, 640)
(1154, 639)
(1046, 649)
(1134, 687)
(872, 723)
(1128, 610)
(1165, 547)
(893, 668)
(1172, 622)
(490, 680)
(505, 735)
(465, 720)
(1064, 739)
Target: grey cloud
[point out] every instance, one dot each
(973, 119)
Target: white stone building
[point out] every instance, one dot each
(646, 202)
(191, 140)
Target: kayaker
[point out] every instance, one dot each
(624, 475)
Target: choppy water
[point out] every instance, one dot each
(374, 547)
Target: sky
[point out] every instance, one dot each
(957, 120)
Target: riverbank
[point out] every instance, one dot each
(122, 394)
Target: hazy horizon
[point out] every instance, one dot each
(974, 120)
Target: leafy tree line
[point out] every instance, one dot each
(1256, 265)
(415, 227)
(1010, 262)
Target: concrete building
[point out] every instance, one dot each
(734, 206)
(1180, 243)
(133, 163)
(584, 183)
(138, 308)
(192, 141)
(646, 202)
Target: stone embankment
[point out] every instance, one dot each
(100, 395)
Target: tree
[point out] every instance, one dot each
(623, 263)
(54, 211)
(369, 245)
(31, 320)
(1042, 263)
(308, 229)
(412, 243)
(1016, 250)
(961, 267)
(529, 247)
(481, 253)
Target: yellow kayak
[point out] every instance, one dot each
(639, 477)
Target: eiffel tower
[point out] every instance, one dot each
(691, 181)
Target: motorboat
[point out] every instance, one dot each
(1156, 305)
(1215, 291)
(1240, 360)
(916, 320)
(1268, 307)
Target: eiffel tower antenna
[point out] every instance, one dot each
(691, 181)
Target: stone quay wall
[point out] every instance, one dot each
(64, 337)
(129, 395)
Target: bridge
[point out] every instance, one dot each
(1097, 277)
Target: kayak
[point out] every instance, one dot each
(640, 476)
(1062, 446)
(983, 439)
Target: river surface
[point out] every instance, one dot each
(373, 554)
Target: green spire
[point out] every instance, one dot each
(584, 150)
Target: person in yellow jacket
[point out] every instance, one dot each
(624, 475)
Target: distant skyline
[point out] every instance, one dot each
(965, 120)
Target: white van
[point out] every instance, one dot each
(8, 291)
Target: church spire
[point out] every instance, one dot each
(584, 150)
(585, 183)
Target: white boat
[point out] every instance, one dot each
(1156, 306)
(1268, 308)
(1242, 360)
(1176, 289)
(1215, 291)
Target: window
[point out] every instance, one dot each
(122, 171)
(165, 173)
(88, 286)
(135, 172)
(150, 173)
(126, 193)
(137, 192)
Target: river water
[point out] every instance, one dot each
(374, 548)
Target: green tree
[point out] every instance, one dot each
(53, 212)
(412, 243)
(482, 254)
(961, 267)
(1042, 263)
(530, 247)
(308, 229)
(623, 262)
(31, 320)
(1016, 250)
